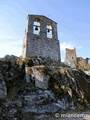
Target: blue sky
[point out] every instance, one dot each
(72, 16)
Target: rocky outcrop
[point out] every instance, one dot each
(10, 57)
(38, 74)
(3, 89)
(38, 87)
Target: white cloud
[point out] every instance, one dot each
(69, 45)
(79, 47)
(11, 47)
(8, 37)
(65, 45)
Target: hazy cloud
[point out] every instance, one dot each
(25, 12)
(65, 45)
(70, 45)
(11, 47)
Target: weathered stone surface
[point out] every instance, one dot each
(3, 89)
(40, 102)
(67, 89)
(11, 57)
(39, 97)
(71, 57)
(10, 112)
(41, 45)
(49, 108)
(27, 74)
(41, 79)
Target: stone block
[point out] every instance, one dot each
(38, 73)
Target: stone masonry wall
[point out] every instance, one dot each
(46, 48)
(71, 58)
(41, 45)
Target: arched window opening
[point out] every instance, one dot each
(49, 30)
(36, 26)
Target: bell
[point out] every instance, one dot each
(36, 28)
(48, 30)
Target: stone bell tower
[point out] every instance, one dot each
(41, 38)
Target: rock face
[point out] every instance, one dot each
(36, 87)
(38, 74)
(11, 57)
(3, 89)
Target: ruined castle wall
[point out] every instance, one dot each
(81, 62)
(71, 58)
